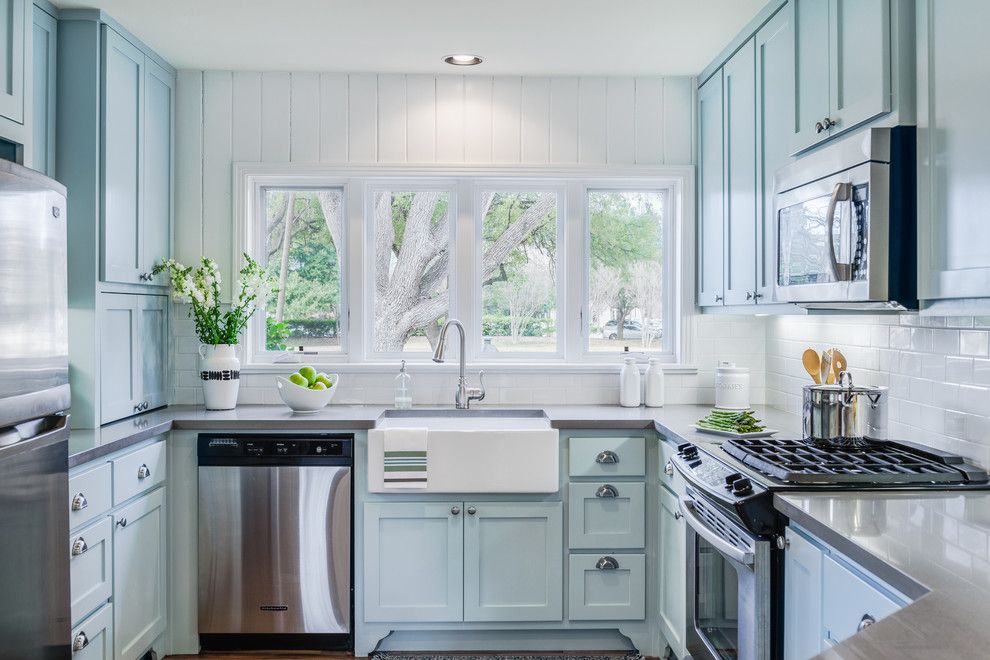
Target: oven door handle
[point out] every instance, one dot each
(707, 533)
(841, 192)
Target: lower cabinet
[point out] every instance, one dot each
(91, 567)
(609, 587)
(139, 575)
(92, 639)
(671, 599)
(850, 603)
(802, 597)
(457, 561)
(606, 515)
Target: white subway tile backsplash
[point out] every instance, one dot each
(973, 342)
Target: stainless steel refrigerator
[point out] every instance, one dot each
(34, 431)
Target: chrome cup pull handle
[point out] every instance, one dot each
(607, 491)
(607, 457)
(668, 469)
(80, 641)
(865, 622)
(607, 563)
(144, 472)
(79, 502)
(79, 546)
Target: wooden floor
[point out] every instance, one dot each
(261, 655)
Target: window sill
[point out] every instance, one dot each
(452, 368)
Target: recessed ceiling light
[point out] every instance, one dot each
(462, 60)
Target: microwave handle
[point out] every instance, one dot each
(841, 192)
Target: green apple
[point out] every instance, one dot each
(317, 386)
(325, 379)
(299, 380)
(309, 373)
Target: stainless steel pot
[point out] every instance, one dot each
(844, 414)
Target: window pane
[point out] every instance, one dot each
(303, 232)
(412, 260)
(625, 283)
(519, 272)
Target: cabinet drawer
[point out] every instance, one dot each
(847, 599)
(94, 637)
(607, 457)
(607, 515)
(138, 471)
(607, 587)
(89, 494)
(91, 567)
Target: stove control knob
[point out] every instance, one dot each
(683, 447)
(731, 479)
(689, 452)
(742, 486)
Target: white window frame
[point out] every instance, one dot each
(573, 227)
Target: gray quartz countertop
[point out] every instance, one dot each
(931, 545)
(673, 421)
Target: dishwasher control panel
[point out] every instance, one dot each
(235, 446)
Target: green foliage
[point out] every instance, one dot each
(499, 325)
(275, 334)
(311, 328)
(625, 228)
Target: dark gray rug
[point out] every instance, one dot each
(392, 655)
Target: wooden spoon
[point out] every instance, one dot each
(812, 364)
(827, 375)
(839, 363)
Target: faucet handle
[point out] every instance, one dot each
(477, 393)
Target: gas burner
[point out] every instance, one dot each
(874, 463)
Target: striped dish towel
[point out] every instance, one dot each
(405, 458)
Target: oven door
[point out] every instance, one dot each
(728, 585)
(823, 236)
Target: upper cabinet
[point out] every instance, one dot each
(44, 53)
(711, 192)
(953, 169)
(15, 17)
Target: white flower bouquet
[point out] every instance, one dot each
(200, 287)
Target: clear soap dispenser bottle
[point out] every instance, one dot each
(403, 389)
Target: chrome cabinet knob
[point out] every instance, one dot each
(718, 298)
(607, 457)
(79, 546)
(79, 502)
(471, 510)
(607, 490)
(783, 543)
(749, 295)
(668, 469)
(819, 127)
(678, 515)
(80, 641)
(122, 522)
(865, 622)
(455, 510)
(144, 472)
(607, 563)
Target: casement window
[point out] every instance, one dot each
(369, 262)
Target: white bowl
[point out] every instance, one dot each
(302, 399)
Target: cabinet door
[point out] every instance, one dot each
(120, 380)
(156, 221)
(711, 193)
(953, 142)
(152, 343)
(139, 575)
(513, 561)
(123, 92)
(774, 119)
(606, 516)
(850, 602)
(672, 599)
(811, 45)
(739, 98)
(43, 93)
(802, 598)
(859, 61)
(413, 566)
(12, 37)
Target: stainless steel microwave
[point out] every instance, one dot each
(846, 224)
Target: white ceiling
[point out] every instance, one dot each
(526, 37)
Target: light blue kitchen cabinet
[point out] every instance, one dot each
(671, 596)
(91, 567)
(604, 457)
(774, 121)
(802, 597)
(133, 354)
(513, 561)
(139, 575)
(414, 561)
(739, 116)
(606, 515)
(850, 602)
(711, 193)
(155, 226)
(92, 639)
(44, 52)
(607, 587)
(842, 66)
(953, 62)
(13, 32)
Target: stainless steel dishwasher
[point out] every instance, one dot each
(275, 549)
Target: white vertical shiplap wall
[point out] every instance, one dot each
(242, 116)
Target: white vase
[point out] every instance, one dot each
(220, 371)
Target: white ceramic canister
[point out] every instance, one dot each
(629, 385)
(220, 371)
(654, 384)
(731, 386)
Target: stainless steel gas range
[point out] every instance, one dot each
(735, 536)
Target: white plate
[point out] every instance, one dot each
(765, 433)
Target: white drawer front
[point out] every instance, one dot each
(89, 494)
(138, 471)
(93, 638)
(91, 567)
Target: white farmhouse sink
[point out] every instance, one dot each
(475, 451)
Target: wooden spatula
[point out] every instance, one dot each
(839, 363)
(812, 364)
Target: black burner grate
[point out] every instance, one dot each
(876, 463)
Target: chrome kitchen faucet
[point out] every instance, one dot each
(465, 395)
